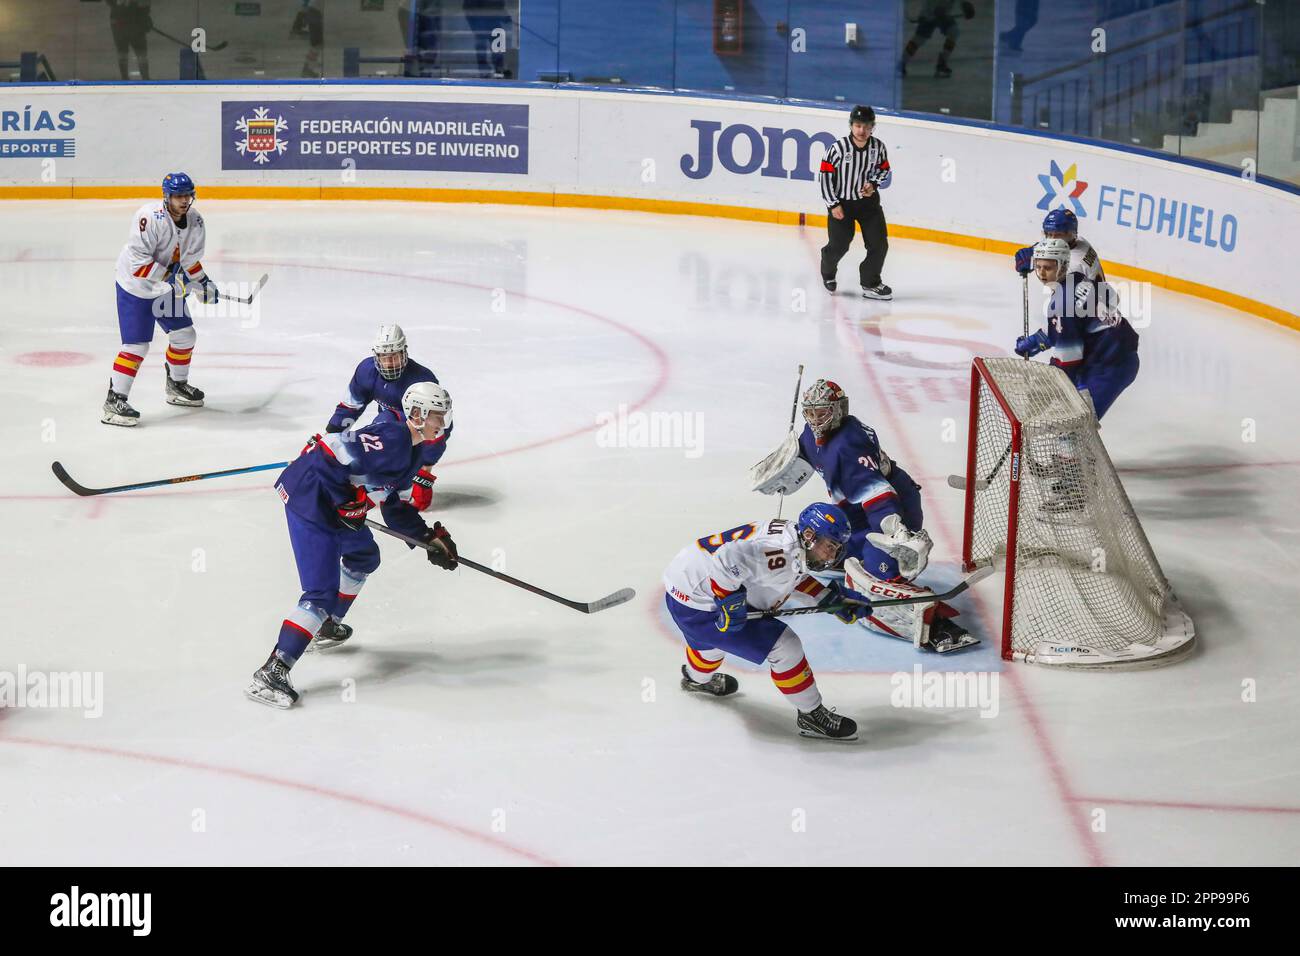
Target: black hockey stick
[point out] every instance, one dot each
(979, 574)
(247, 300)
(212, 48)
(61, 473)
(586, 607)
(959, 481)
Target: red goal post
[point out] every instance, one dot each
(1083, 587)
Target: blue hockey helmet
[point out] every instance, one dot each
(177, 184)
(823, 521)
(1062, 221)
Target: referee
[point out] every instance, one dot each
(854, 170)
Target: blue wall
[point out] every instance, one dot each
(669, 44)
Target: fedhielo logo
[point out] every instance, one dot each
(1061, 190)
(261, 135)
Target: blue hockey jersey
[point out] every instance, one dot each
(368, 386)
(1085, 329)
(858, 474)
(378, 457)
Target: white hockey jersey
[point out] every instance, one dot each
(763, 557)
(1084, 258)
(155, 244)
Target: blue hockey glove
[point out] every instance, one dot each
(1025, 260)
(1030, 345)
(731, 612)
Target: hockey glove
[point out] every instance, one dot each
(857, 606)
(352, 514)
(443, 550)
(208, 292)
(1025, 260)
(1028, 346)
(731, 612)
(422, 489)
(968, 9)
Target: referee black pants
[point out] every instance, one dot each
(875, 236)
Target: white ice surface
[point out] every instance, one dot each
(490, 726)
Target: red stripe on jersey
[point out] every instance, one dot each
(195, 269)
(884, 494)
(718, 590)
(827, 167)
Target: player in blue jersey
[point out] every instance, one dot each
(383, 379)
(327, 491)
(883, 505)
(1088, 337)
(1063, 224)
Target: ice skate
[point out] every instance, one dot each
(719, 685)
(182, 393)
(271, 685)
(827, 725)
(117, 411)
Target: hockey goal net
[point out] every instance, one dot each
(1083, 587)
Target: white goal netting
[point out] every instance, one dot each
(1083, 587)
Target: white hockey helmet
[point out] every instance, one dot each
(825, 406)
(391, 341)
(424, 399)
(1058, 250)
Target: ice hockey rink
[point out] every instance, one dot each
(470, 722)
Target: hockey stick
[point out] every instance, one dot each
(979, 574)
(794, 411)
(959, 481)
(212, 48)
(590, 607)
(61, 473)
(246, 300)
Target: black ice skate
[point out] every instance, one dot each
(878, 291)
(271, 684)
(331, 634)
(830, 284)
(942, 71)
(117, 411)
(946, 635)
(181, 393)
(719, 685)
(827, 724)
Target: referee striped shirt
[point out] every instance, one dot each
(846, 169)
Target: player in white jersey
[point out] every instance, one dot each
(159, 265)
(712, 584)
(1063, 224)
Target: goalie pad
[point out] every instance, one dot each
(783, 472)
(907, 622)
(910, 549)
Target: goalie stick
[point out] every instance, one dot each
(979, 574)
(72, 485)
(621, 596)
(794, 411)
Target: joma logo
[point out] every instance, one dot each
(763, 148)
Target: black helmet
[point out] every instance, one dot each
(862, 114)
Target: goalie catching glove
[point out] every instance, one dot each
(783, 472)
(910, 549)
